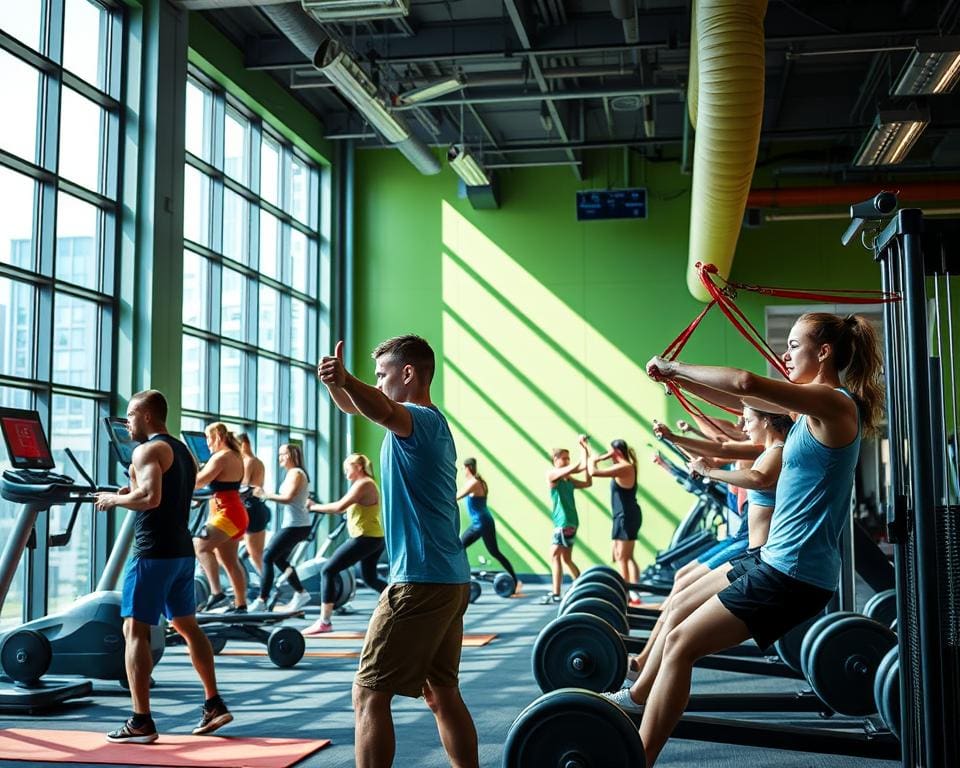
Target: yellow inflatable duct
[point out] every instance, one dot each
(692, 86)
(727, 71)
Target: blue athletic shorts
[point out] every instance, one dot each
(735, 546)
(158, 585)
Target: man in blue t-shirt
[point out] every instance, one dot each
(416, 632)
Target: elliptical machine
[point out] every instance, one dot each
(87, 638)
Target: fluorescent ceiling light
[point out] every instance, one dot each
(432, 90)
(933, 67)
(358, 89)
(466, 167)
(893, 133)
(347, 10)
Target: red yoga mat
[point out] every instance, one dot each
(36, 745)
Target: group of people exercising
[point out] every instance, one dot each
(803, 437)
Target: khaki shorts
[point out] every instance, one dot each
(415, 636)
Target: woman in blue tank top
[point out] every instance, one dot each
(796, 571)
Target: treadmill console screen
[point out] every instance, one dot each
(25, 439)
(120, 439)
(196, 442)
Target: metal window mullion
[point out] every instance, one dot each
(212, 400)
(90, 92)
(103, 359)
(216, 215)
(214, 319)
(26, 167)
(110, 143)
(115, 23)
(49, 124)
(256, 137)
(283, 393)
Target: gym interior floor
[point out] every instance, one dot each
(312, 700)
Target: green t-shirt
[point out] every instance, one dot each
(564, 509)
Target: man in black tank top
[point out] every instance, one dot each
(159, 577)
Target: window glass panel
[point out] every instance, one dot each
(231, 381)
(270, 170)
(299, 189)
(269, 232)
(194, 373)
(10, 397)
(16, 223)
(196, 272)
(80, 145)
(76, 331)
(196, 206)
(73, 423)
(236, 226)
(17, 340)
(22, 19)
(299, 273)
(190, 423)
(236, 140)
(84, 46)
(266, 450)
(232, 301)
(313, 260)
(78, 241)
(198, 110)
(19, 88)
(267, 318)
(298, 396)
(267, 391)
(298, 330)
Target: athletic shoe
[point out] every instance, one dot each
(622, 699)
(549, 599)
(213, 719)
(319, 627)
(214, 601)
(258, 605)
(632, 672)
(236, 609)
(128, 734)
(299, 600)
(634, 602)
(518, 587)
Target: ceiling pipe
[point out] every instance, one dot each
(851, 193)
(625, 11)
(302, 30)
(640, 90)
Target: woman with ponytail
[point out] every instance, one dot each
(796, 571)
(361, 505)
(227, 522)
(627, 516)
(474, 489)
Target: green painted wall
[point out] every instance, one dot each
(542, 325)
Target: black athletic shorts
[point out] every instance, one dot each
(624, 529)
(769, 602)
(258, 513)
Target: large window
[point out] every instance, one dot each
(251, 280)
(60, 85)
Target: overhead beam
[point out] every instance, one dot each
(520, 16)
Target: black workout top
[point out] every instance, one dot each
(223, 485)
(623, 501)
(163, 532)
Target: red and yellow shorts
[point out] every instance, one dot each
(228, 514)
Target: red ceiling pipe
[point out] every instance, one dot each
(846, 195)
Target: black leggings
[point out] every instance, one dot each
(363, 549)
(487, 529)
(277, 554)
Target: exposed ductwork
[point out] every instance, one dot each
(693, 79)
(301, 30)
(730, 73)
(625, 11)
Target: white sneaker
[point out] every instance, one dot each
(300, 599)
(622, 699)
(257, 605)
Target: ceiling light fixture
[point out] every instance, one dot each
(348, 10)
(933, 67)
(893, 134)
(359, 90)
(466, 166)
(432, 90)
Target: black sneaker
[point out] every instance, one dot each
(236, 609)
(213, 719)
(214, 601)
(128, 734)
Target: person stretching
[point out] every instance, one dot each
(796, 572)
(293, 494)
(361, 504)
(482, 525)
(257, 511)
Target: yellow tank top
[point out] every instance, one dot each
(364, 521)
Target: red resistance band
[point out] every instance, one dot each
(724, 298)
